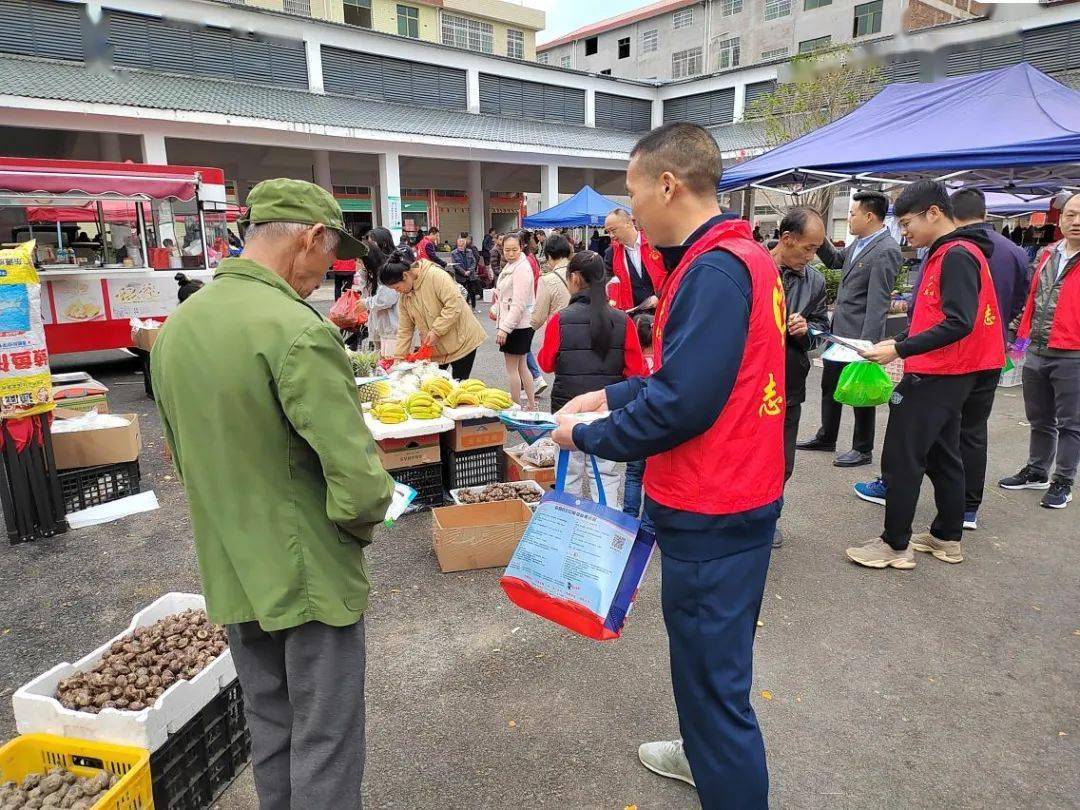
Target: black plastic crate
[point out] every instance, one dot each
(474, 468)
(91, 486)
(195, 765)
(426, 479)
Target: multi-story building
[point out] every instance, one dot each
(681, 39)
(482, 26)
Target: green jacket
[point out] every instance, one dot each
(259, 408)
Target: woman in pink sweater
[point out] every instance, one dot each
(516, 291)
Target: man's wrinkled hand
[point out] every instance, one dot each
(797, 326)
(563, 435)
(586, 403)
(882, 353)
(649, 303)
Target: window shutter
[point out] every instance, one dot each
(620, 112)
(399, 81)
(513, 97)
(42, 28)
(757, 90)
(960, 63)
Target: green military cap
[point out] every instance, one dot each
(286, 200)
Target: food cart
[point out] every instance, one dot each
(110, 239)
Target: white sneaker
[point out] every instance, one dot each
(666, 758)
(539, 384)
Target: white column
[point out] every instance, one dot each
(322, 169)
(390, 196)
(472, 90)
(590, 107)
(477, 203)
(590, 177)
(313, 49)
(549, 186)
(153, 148)
(740, 102)
(110, 147)
(657, 113)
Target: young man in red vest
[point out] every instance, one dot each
(427, 247)
(1051, 325)
(710, 424)
(955, 335)
(637, 269)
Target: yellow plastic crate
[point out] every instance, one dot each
(36, 753)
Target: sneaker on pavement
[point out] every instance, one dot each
(879, 554)
(539, 384)
(1027, 478)
(944, 550)
(666, 758)
(872, 491)
(971, 521)
(778, 538)
(1058, 496)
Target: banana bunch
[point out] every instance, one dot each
(389, 412)
(423, 406)
(461, 399)
(438, 387)
(495, 399)
(472, 386)
(373, 391)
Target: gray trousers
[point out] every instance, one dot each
(1052, 405)
(304, 702)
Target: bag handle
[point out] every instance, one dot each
(563, 464)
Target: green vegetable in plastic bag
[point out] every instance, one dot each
(863, 385)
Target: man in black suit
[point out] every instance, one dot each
(869, 266)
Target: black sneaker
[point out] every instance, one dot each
(1058, 496)
(1027, 478)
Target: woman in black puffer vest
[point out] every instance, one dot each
(589, 345)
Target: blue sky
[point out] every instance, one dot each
(564, 16)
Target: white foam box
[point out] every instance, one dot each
(455, 494)
(37, 711)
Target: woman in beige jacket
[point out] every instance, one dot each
(552, 294)
(514, 304)
(431, 303)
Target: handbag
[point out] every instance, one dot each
(579, 563)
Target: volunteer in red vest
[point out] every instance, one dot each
(710, 422)
(636, 267)
(427, 247)
(1051, 324)
(955, 334)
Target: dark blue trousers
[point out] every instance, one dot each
(711, 608)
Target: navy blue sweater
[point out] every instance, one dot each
(703, 348)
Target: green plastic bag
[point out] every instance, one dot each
(863, 385)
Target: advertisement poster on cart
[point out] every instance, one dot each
(141, 297)
(77, 300)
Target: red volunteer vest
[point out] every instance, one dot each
(738, 463)
(1065, 330)
(421, 248)
(621, 293)
(981, 349)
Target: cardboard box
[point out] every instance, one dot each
(78, 391)
(90, 448)
(472, 434)
(479, 535)
(396, 454)
(518, 470)
(144, 338)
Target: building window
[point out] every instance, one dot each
(564, 62)
(683, 18)
(297, 7)
(686, 63)
(775, 53)
(515, 44)
(408, 21)
(867, 19)
(727, 53)
(624, 48)
(606, 72)
(816, 44)
(542, 58)
(358, 13)
(649, 41)
(591, 46)
(462, 32)
(775, 9)
(729, 7)
(810, 5)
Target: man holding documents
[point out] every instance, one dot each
(710, 421)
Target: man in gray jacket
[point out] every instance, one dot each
(869, 266)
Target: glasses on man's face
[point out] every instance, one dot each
(906, 221)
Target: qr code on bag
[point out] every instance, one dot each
(617, 543)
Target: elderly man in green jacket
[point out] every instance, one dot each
(259, 409)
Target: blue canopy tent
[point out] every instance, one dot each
(1011, 205)
(1008, 128)
(587, 207)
